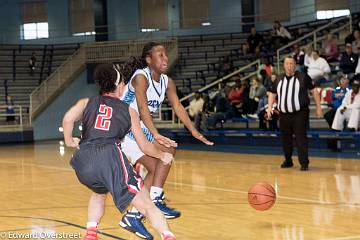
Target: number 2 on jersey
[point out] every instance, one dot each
(103, 118)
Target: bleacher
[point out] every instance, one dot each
(15, 78)
(200, 56)
(199, 61)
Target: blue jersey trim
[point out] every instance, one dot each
(129, 96)
(146, 132)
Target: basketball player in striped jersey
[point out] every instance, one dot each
(99, 162)
(145, 93)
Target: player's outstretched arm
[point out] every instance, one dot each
(140, 85)
(145, 146)
(71, 116)
(182, 114)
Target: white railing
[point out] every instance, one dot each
(21, 117)
(216, 83)
(313, 35)
(89, 53)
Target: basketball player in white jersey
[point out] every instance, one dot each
(145, 93)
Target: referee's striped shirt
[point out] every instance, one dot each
(292, 92)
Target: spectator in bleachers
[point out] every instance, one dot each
(349, 110)
(356, 42)
(219, 96)
(279, 35)
(224, 111)
(226, 67)
(181, 95)
(266, 64)
(235, 96)
(32, 63)
(337, 97)
(257, 92)
(10, 110)
(263, 120)
(298, 33)
(298, 55)
(348, 61)
(253, 43)
(265, 78)
(196, 108)
(308, 59)
(331, 48)
(350, 38)
(318, 69)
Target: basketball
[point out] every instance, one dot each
(261, 196)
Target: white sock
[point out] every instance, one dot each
(91, 224)
(166, 233)
(155, 192)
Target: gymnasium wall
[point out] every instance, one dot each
(58, 19)
(46, 125)
(124, 23)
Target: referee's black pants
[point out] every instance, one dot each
(295, 123)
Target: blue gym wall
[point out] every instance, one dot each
(46, 125)
(58, 19)
(123, 19)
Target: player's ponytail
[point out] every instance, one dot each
(129, 68)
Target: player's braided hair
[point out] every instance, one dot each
(135, 63)
(105, 77)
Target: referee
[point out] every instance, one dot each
(293, 104)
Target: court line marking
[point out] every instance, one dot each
(198, 186)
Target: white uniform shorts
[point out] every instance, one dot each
(131, 150)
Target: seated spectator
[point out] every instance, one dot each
(266, 64)
(318, 68)
(196, 108)
(348, 61)
(235, 96)
(308, 59)
(356, 43)
(257, 91)
(265, 78)
(279, 35)
(253, 43)
(32, 63)
(226, 111)
(349, 110)
(9, 109)
(337, 97)
(331, 48)
(298, 55)
(226, 67)
(350, 38)
(264, 121)
(220, 96)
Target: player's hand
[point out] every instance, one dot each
(166, 157)
(167, 142)
(74, 142)
(201, 138)
(269, 112)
